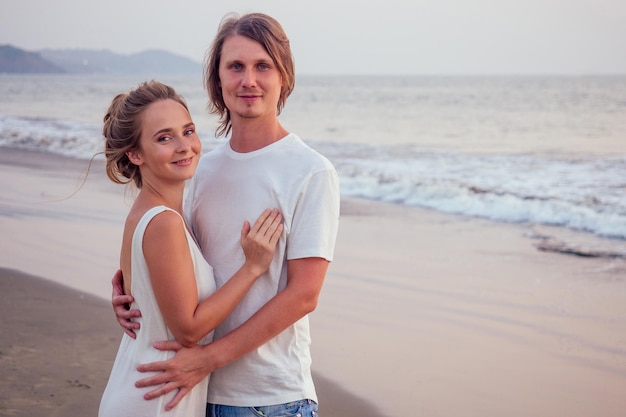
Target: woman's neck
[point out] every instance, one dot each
(170, 196)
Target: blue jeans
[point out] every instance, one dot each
(302, 408)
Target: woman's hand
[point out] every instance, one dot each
(259, 241)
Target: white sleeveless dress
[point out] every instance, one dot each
(121, 397)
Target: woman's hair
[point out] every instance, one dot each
(122, 128)
(262, 29)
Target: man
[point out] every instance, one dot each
(260, 357)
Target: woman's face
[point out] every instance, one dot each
(169, 148)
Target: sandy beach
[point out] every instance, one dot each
(421, 314)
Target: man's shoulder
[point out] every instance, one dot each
(307, 149)
(215, 152)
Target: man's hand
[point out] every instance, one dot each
(182, 372)
(121, 303)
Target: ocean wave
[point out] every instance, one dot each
(69, 138)
(587, 195)
(579, 193)
(463, 199)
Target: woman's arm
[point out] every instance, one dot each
(172, 274)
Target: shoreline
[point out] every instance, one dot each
(421, 312)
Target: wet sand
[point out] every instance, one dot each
(57, 347)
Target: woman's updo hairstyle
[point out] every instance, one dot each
(122, 128)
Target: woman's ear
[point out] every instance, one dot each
(135, 157)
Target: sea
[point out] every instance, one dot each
(539, 150)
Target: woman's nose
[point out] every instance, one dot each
(182, 144)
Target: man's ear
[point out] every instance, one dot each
(135, 157)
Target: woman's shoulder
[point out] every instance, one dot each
(162, 217)
(143, 217)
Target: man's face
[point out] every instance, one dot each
(250, 82)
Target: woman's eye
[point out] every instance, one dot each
(189, 132)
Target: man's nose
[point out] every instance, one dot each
(249, 79)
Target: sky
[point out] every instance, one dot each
(349, 37)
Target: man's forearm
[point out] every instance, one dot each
(272, 319)
(299, 298)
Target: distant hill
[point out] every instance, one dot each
(104, 61)
(15, 60)
(86, 61)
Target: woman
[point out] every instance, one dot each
(150, 140)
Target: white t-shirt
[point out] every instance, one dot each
(231, 187)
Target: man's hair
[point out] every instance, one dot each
(262, 29)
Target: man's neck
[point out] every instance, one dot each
(249, 136)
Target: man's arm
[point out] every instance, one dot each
(120, 302)
(190, 366)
